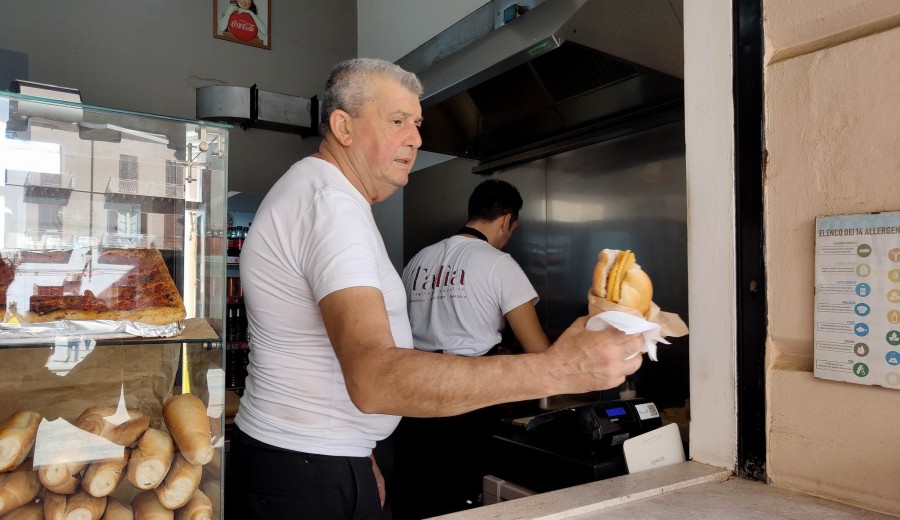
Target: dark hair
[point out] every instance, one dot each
(348, 86)
(494, 198)
(252, 6)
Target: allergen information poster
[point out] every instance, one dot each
(857, 307)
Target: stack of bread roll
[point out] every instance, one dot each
(162, 468)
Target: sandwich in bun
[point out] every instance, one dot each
(619, 279)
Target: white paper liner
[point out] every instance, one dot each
(630, 325)
(34, 333)
(656, 326)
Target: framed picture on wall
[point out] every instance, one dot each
(243, 21)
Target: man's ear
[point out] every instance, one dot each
(506, 221)
(341, 124)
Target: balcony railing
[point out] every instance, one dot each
(144, 188)
(43, 239)
(50, 180)
(128, 241)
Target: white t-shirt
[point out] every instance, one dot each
(459, 291)
(312, 235)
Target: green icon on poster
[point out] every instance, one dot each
(864, 250)
(893, 337)
(861, 369)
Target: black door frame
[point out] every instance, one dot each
(750, 159)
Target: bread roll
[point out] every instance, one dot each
(179, 485)
(54, 506)
(213, 490)
(30, 511)
(151, 459)
(116, 510)
(17, 437)
(102, 477)
(147, 507)
(619, 279)
(105, 422)
(62, 477)
(18, 487)
(199, 507)
(186, 419)
(82, 506)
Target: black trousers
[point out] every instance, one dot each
(276, 484)
(439, 464)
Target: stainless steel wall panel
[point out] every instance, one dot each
(628, 192)
(528, 244)
(435, 203)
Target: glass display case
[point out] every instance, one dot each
(112, 288)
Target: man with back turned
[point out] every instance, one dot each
(462, 291)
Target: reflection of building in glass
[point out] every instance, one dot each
(88, 193)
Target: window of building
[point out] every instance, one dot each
(128, 173)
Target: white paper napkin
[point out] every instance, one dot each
(629, 324)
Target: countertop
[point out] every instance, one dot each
(686, 490)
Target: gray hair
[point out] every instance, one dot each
(348, 86)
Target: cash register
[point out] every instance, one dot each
(569, 446)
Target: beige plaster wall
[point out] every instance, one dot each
(832, 119)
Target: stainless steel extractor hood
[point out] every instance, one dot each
(563, 69)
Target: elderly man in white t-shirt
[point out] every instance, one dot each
(332, 363)
(462, 291)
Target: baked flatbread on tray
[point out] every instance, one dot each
(114, 284)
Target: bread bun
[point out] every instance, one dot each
(54, 506)
(180, 483)
(619, 279)
(61, 477)
(120, 427)
(17, 437)
(82, 506)
(151, 459)
(186, 419)
(102, 477)
(199, 507)
(18, 487)
(213, 490)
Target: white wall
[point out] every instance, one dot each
(390, 29)
(151, 55)
(709, 135)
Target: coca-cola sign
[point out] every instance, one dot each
(242, 26)
(248, 22)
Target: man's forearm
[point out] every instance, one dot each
(383, 378)
(424, 384)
